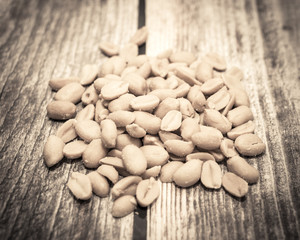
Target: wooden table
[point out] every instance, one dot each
(40, 40)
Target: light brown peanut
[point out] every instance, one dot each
(71, 92)
(249, 145)
(155, 155)
(167, 171)
(235, 185)
(67, 131)
(242, 168)
(147, 191)
(245, 128)
(93, 153)
(108, 133)
(80, 185)
(88, 130)
(58, 83)
(61, 110)
(109, 172)
(188, 174)
(53, 150)
(178, 147)
(134, 160)
(123, 185)
(75, 149)
(171, 121)
(211, 175)
(99, 183)
(124, 206)
(87, 113)
(240, 115)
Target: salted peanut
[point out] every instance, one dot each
(214, 118)
(124, 139)
(185, 74)
(140, 36)
(99, 183)
(182, 90)
(58, 83)
(135, 130)
(232, 82)
(99, 83)
(108, 133)
(88, 74)
(137, 84)
(147, 121)
(119, 64)
(211, 175)
(211, 86)
(240, 115)
(165, 106)
(219, 100)
(129, 51)
(71, 92)
(128, 70)
(66, 132)
(121, 103)
(87, 113)
(53, 150)
(235, 73)
(216, 61)
(182, 56)
(235, 185)
(165, 136)
(123, 206)
(227, 148)
(80, 185)
(245, 128)
(122, 185)
(75, 149)
(159, 67)
(208, 140)
(165, 54)
(171, 121)
(138, 61)
(134, 160)
(179, 148)
(188, 174)
(218, 155)
(147, 191)
(204, 71)
(230, 103)
(186, 108)
(241, 97)
(115, 153)
(197, 99)
(144, 103)
(249, 145)
(157, 83)
(243, 169)
(88, 130)
(106, 68)
(188, 127)
(109, 172)
(155, 155)
(114, 90)
(61, 110)
(116, 162)
(167, 171)
(152, 140)
(122, 118)
(151, 172)
(108, 48)
(162, 94)
(93, 153)
(101, 111)
(90, 95)
(203, 156)
(145, 70)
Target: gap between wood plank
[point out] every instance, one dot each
(140, 218)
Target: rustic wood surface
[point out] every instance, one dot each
(44, 39)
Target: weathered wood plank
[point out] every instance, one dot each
(40, 40)
(250, 36)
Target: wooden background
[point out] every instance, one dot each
(44, 39)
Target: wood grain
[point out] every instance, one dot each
(40, 40)
(251, 35)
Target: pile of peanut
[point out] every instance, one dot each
(172, 117)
